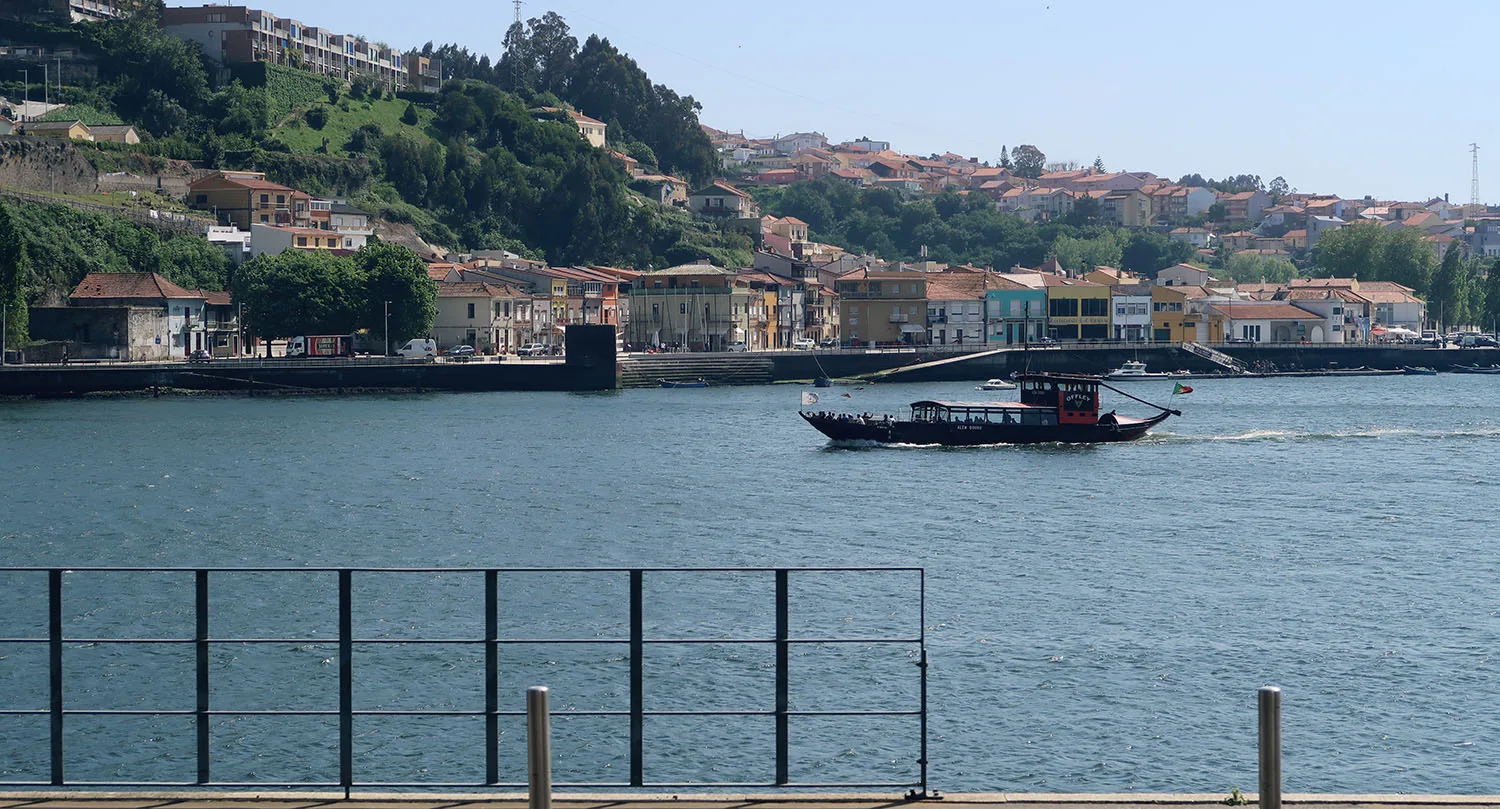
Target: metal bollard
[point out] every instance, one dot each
(539, 747)
(1270, 747)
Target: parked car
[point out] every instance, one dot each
(831, 342)
(1479, 341)
(461, 351)
(532, 350)
(200, 355)
(737, 345)
(804, 344)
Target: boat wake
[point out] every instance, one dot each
(1163, 437)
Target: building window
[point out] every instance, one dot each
(1062, 307)
(301, 241)
(265, 199)
(471, 311)
(1095, 307)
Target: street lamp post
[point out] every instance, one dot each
(387, 328)
(4, 327)
(25, 92)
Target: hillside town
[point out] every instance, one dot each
(798, 292)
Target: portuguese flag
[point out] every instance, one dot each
(1181, 388)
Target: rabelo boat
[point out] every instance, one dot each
(1060, 408)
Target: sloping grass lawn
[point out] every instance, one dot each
(301, 138)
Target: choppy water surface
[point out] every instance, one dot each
(1099, 618)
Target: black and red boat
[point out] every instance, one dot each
(1060, 408)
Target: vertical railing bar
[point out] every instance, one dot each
(200, 636)
(346, 681)
(922, 634)
(782, 678)
(491, 677)
(55, 669)
(637, 680)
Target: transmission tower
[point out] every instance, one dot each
(518, 11)
(1474, 183)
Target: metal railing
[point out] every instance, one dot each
(204, 716)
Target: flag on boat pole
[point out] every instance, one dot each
(809, 398)
(1181, 388)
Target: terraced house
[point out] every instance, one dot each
(883, 306)
(236, 35)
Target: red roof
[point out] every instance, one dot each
(102, 285)
(1264, 310)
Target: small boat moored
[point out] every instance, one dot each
(1137, 370)
(1054, 408)
(1415, 370)
(700, 382)
(996, 384)
(1475, 369)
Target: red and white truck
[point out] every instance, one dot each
(321, 345)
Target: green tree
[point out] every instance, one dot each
(395, 274)
(1278, 189)
(300, 292)
(1005, 159)
(1218, 212)
(1350, 251)
(194, 263)
(1407, 260)
(1148, 252)
(1444, 304)
(1248, 268)
(1098, 165)
(1083, 255)
(1489, 306)
(409, 117)
(15, 277)
(1029, 160)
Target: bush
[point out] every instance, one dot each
(410, 116)
(317, 117)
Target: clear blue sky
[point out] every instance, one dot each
(1378, 97)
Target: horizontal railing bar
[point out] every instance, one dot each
(101, 569)
(465, 641)
(422, 712)
(709, 785)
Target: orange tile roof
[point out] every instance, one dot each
(1264, 310)
(129, 285)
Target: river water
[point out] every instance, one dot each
(1098, 618)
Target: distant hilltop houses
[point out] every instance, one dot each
(1287, 225)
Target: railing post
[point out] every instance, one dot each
(200, 636)
(922, 634)
(782, 679)
(346, 681)
(1270, 747)
(538, 747)
(55, 669)
(491, 677)
(637, 681)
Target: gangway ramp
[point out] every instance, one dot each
(1216, 357)
(891, 372)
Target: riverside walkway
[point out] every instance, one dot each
(1011, 800)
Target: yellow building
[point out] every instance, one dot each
(1077, 309)
(68, 130)
(883, 306)
(1176, 316)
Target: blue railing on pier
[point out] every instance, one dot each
(201, 680)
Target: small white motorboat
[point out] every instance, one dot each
(1135, 369)
(996, 384)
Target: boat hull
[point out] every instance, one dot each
(967, 435)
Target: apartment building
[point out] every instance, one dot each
(236, 35)
(71, 10)
(245, 198)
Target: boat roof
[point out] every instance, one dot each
(1084, 378)
(979, 405)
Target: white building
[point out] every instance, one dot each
(1271, 322)
(275, 240)
(1132, 312)
(234, 242)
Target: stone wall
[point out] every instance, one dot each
(45, 164)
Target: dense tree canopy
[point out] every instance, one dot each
(316, 292)
(965, 229)
(15, 277)
(1370, 252)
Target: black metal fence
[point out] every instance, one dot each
(903, 605)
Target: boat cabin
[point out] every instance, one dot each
(983, 413)
(1075, 397)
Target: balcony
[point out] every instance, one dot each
(897, 317)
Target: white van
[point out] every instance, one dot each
(418, 349)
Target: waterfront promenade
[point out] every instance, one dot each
(1012, 800)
